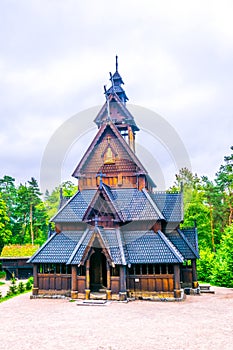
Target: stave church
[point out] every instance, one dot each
(117, 237)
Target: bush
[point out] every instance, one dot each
(21, 287)
(222, 273)
(13, 287)
(29, 283)
(2, 274)
(205, 265)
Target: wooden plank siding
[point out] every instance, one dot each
(151, 283)
(55, 282)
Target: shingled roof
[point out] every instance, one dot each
(170, 204)
(124, 247)
(181, 242)
(129, 204)
(149, 247)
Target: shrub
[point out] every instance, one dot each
(21, 287)
(29, 283)
(13, 287)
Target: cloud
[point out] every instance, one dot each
(175, 58)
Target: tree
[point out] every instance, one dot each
(224, 182)
(52, 201)
(222, 273)
(31, 214)
(5, 232)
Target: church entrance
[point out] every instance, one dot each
(98, 271)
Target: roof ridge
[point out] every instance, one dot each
(195, 252)
(171, 246)
(42, 247)
(78, 245)
(64, 205)
(153, 203)
(118, 235)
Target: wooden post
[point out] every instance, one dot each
(108, 276)
(122, 293)
(35, 288)
(194, 274)
(87, 290)
(74, 291)
(177, 291)
(108, 291)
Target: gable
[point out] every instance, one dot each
(118, 112)
(125, 159)
(102, 206)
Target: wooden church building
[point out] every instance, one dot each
(116, 237)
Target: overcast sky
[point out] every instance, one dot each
(175, 58)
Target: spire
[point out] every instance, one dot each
(116, 87)
(116, 63)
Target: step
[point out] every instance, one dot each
(92, 302)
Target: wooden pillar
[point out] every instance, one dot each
(177, 291)
(74, 291)
(108, 291)
(35, 288)
(194, 274)
(87, 290)
(122, 293)
(108, 277)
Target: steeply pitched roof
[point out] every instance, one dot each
(134, 205)
(58, 248)
(74, 209)
(170, 204)
(124, 247)
(103, 199)
(124, 114)
(148, 247)
(181, 242)
(128, 204)
(191, 235)
(113, 129)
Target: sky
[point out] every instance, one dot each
(175, 58)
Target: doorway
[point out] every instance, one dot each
(98, 270)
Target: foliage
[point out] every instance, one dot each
(222, 273)
(2, 274)
(29, 283)
(27, 216)
(210, 205)
(21, 287)
(52, 201)
(5, 232)
(18, 250)
(15, 289)
(205, 264)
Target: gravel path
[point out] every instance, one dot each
(201, 322)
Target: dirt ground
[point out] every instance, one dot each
(200, 322)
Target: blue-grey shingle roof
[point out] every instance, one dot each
(148, 247)
(182, 244)
(125, 247)
(58, 248)
(75, 208)
(191, 236)
(170, 204)
(134, 205)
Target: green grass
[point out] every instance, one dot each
(2, 283)
(7, 297)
